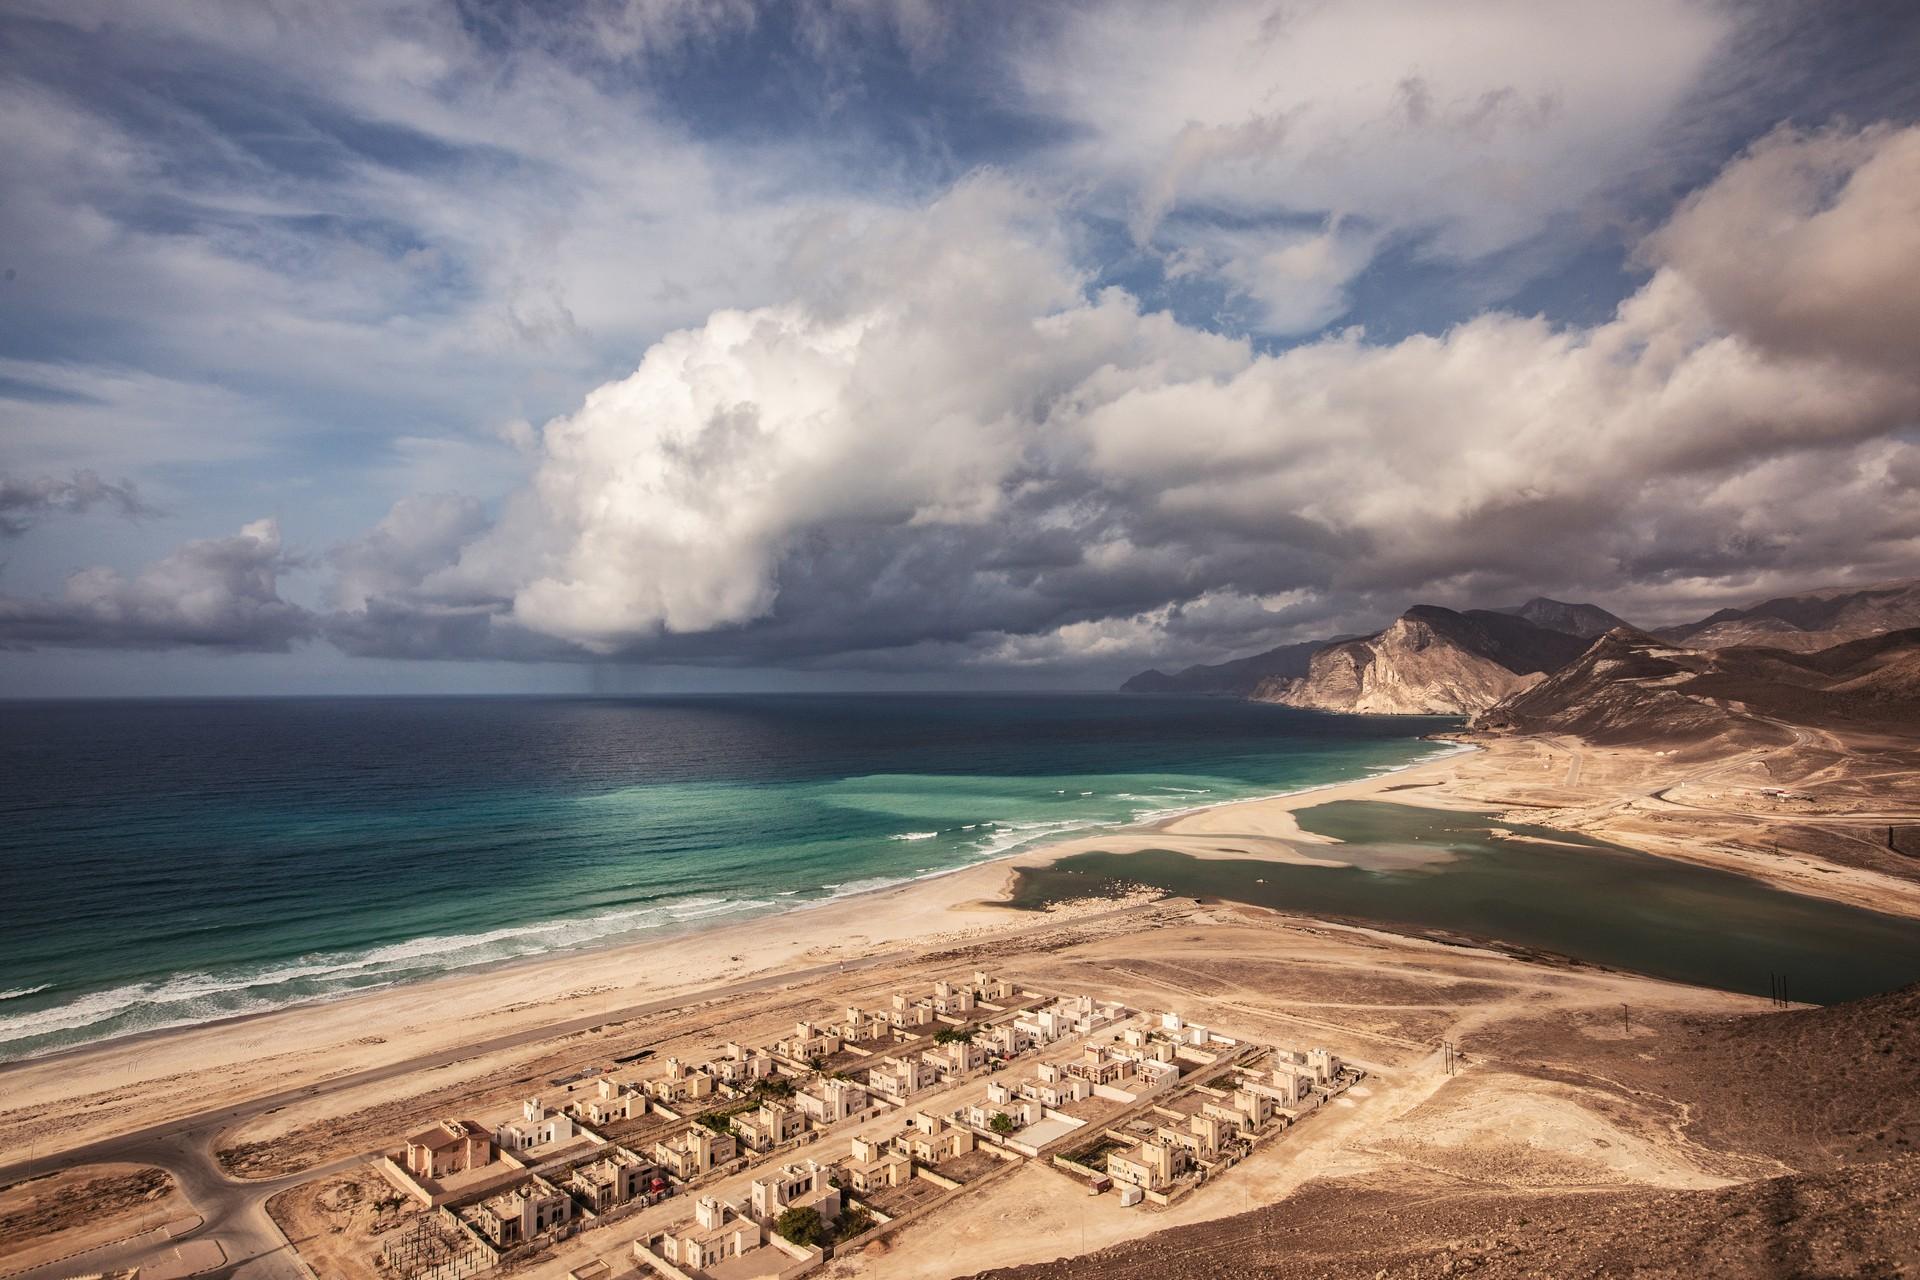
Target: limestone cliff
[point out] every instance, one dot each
(1430, 661)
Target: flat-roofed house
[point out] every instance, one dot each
(616, 1178)
(538, 1126)
(832, 1100)
(802, 1185)
(862, 1024)
(522, 1213)
(931, 1139)
(807, 1043)
(990, 986)
(1295, 1082)
(953, 1001)
(874, 1165)
(450, 1146)
(718, 1232)
(899, 1078)
(1006, 1039)
(770, 1125)
(613, 1101)
(740, 1066)
(695, 1151)
(681, 1083)
(955, 1058)
(1151, 1166)
(908, 1012)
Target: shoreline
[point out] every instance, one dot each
(1055, 845)
(463, 1018)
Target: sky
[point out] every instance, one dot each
(636, 346)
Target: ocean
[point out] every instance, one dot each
(169, 862)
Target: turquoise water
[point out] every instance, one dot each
(170, 862)
(1568, 894)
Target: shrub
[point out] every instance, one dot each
(802, 1226)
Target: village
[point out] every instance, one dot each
(767, 1160)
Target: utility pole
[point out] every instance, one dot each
(1626, 1021)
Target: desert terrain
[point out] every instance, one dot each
(1567, 1081)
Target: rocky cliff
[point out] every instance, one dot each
(1808, 621)
(1430, 661)
(1636, 688)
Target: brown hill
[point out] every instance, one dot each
(1430, 661)
(1588, 621)
(1827, 1092)
(1631, 687)
(1808, 621)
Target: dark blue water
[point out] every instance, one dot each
(168, 862)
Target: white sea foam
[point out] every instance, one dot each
(189, 998)
(17, 992)
(914, 835)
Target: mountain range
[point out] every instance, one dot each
(1436, 661)
(1811, 620)
(1635, 688)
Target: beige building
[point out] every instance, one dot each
(990, 986)
(449, 1147)
(740, 1066)
(695, 1151)
(616, 1178)
(718, 1232)
(769, 1126)
(954, 1059)
(807, 1043)
(803, 1185)
(908, 1012)
(538, 1126)
(1151, 1166)
(681, 1083)
(899, 1078)
(863, 1024)
(932, 1139)
(522, 1213)
(873, 1165)
(832, 1100)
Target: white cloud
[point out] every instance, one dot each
(1472, 125)
(216, 593)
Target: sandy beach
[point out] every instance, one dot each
(85, 1094)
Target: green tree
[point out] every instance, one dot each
(1002, 1123)
(801, 1225)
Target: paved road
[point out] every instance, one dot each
(234, 1209)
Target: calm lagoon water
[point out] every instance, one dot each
(1552, 891)
(169, 862)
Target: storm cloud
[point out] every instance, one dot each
(1089, 338)
(956, 452)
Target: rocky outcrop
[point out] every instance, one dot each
(1808, 621)
(1635, 688)
(1430, 661)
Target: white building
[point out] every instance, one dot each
(538, 1126)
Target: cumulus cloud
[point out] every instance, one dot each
(220, 593)
(24, 500)
(947, 449)
(952, 444)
